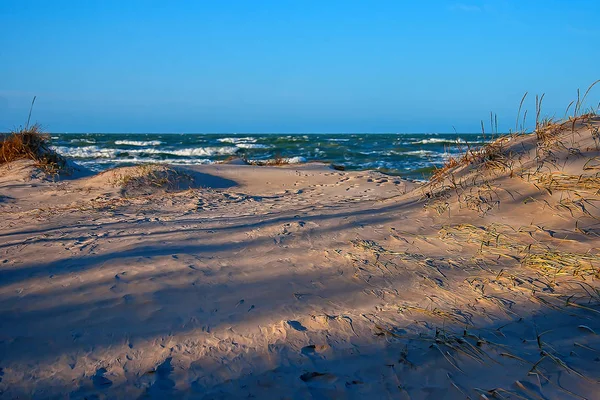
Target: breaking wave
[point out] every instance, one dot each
(138, 143)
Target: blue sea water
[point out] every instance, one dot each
(408, 155)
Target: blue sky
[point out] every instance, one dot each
(291, 66)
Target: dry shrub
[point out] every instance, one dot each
(31, 144)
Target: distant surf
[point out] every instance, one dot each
(408, 155)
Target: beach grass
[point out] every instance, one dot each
(31, 143)
(148, 178)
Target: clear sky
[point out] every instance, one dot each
(291, 66)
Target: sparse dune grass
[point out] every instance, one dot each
(498, 155)
(558, 165)
(149, 178)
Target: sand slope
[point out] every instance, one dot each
(302, 282)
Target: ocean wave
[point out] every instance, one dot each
(284, 160)
(293, 138)
(418, 153)
(237, 140)
(138, 142)
(142, 160)
(252, 146)
(86, 152)
(375, 164)
(99, 152)
(295, 160)
(205, 151)
(439, 141)
(444, 141)
(88, 141)
(389, 153)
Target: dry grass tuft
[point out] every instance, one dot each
(562, 263)
(31, 144)
(495, 239)
(441, 172)
(561, 181)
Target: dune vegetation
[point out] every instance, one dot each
(31, 143)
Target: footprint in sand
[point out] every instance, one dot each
(162, 386)
(297, 326)
(129, 299)
(99, 380)
(318, 376)
(312, 349)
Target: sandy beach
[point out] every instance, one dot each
(304, 282)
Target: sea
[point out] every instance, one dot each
(412, 156)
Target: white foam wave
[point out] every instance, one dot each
(138, 142)
(284, 160)
(237, 140)
(98, 152)
(417, 153)
(295, 160)
(88, 141)
(85, 152)
(440, 141)
(136, 160)
(295, 138)
(205, 151)
(252, 146)
(444, 141)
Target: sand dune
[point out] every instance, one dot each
(302, 282)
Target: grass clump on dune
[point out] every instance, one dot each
(147, 179)
(31, 144)
(564, 263)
